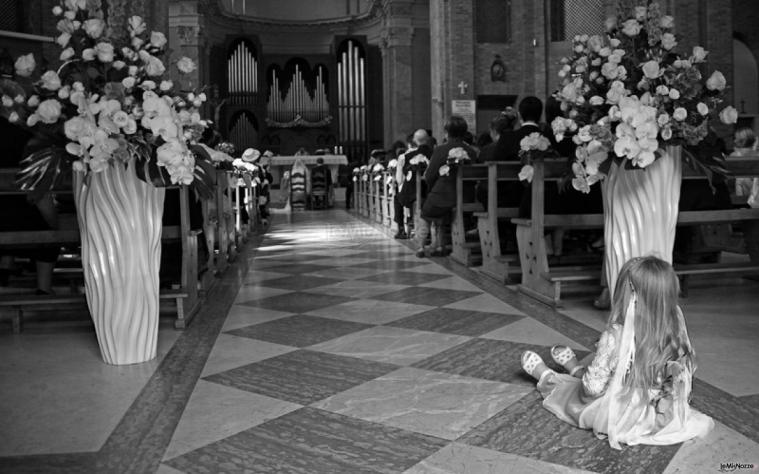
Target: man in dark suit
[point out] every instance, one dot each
(507, 146)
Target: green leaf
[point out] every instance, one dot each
(41, 171)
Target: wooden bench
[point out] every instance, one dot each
(186, 296)
(495, 264)
(463, 251)
(545, 283)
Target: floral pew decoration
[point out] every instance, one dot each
(109, 115)
(532, 147)
(392, 166)
(377, 171)
(631, 100)
(456, 156)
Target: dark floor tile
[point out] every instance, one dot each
(296, 302)
(310, 441)
(751, 400)
(302, 376)
(488, 359)
(299, 330)
(527, 429)
(293, 258)
(427, 296)
(300, 282)
(404, 278)
(390, 255)
(296, 268)
(456, 321)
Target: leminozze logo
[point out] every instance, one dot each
(734, 466)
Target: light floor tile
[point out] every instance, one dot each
(485, 302)
(442, 405)
(459, 458)
(257, 292)
(722, 445)
(233, 351)
(393, 345)
(428, 268)
(529, 331)
(452, 283)
(215, 412)
(356, 288)
(164, 469)
(240, 316)
(58, 381)
(370, 311)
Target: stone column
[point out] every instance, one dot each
(397, 72)
(154, 13)
(185, 23)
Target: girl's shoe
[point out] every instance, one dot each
(530, 362)
(562, 355)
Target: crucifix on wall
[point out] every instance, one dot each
(463, 86)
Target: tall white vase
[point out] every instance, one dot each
(120, 221)
(640, 211)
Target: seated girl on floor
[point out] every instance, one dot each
(637, 388)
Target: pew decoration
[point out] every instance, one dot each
(377, 171)
(109, 114)
(633, 101)
(364, 173)
(223, 157)
(356, 174)
(456, 156)
(533, 146)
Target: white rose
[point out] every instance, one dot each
(153, 65)
(49, 111)
(63, 39)
(662, 120)
(668, 41)
(19, 99)
(94, 27)
(133, 70)
(604, 52)
(57, 10)
(716, 81)
(202, 97)
(729, 115)
(33, 101)
(157, 39)
(148, 85)
(166, 85)
(88, 54)
(137, 42)
(51, 81)
(631, 27)
(651, 69)
(680, 114)
(614, 42)
(662, 90)
(699, 54)
(25, 65)
(67, 54)
(13, 117)
(69, 15)
(78, 86)
(128, 82)
(118, 65)
(32, 120)
(702, 108)
(185, 65)
(7, 101)
(666, 22)
(131, 127)
(674, 94)
(120, 118)
(64, 92)
(104, 52)
(596, 100)
(666, 133)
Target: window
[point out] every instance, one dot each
(493, 21)
(576, 17)
(11, 16)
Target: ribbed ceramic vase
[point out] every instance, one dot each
(640, 211)
(120, 221)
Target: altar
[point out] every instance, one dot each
(280, 164)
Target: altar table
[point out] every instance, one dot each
(280, 164)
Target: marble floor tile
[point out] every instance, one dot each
(751, 400)
(722, 445)
(258, 276)
(232, 351)
(343, 252)
(529, 331)
(393, 345)
(356, 289)
(429, 267)
(456, 321)
(484, 302)
(59, 381)
(298, 282)
(337, 261)
(295, 269)
(295, 258)
(451, 283)
(311, 441)
(299, 330)
(404, 278)
(215, 412)
(369, 311)
(302, 376)
(347, 272)
(297, 302)
(527, 429)
(426, 296)
(166, 469)
(490, 360)
(240, 316)
(441, 405)
(457, 458)
(257, 292)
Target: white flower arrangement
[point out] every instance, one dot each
(458, 155)
(419, 160)
(109, 101)
(530, 147)
(629, 92)
(445, 170)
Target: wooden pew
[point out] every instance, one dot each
(183, 297)
(545, 283)
(378, 186)
(462, 251)
(494, 263)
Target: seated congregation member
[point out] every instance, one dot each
(264, 194)
(405, 179)
(507, 146)
(637, 388)
(510, 194)
(441, 197)
(747, 190)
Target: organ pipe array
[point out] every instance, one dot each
(351, 95)
(298, 100)
(243, 132)
(242, 73)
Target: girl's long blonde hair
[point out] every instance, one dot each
(660, 332)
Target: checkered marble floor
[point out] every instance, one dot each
(344, 353)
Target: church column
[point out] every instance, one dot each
(452, 58)
(397, 70)
(185, 23)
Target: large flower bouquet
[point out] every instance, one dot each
(629, 92)
(108, 103)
